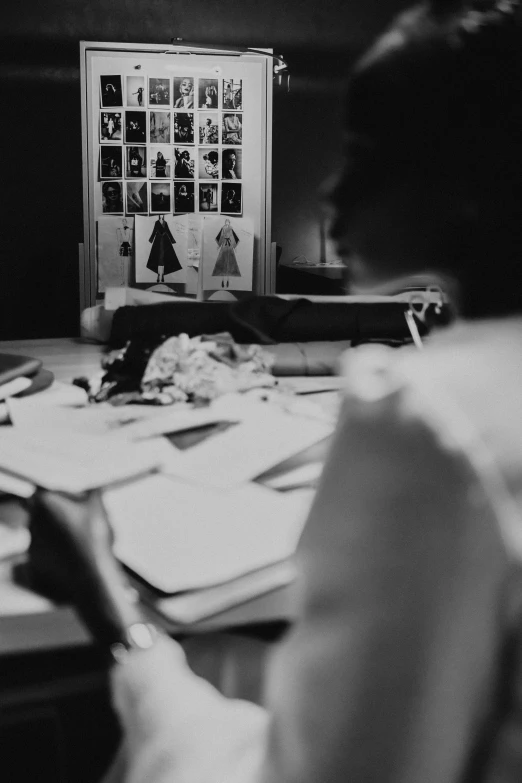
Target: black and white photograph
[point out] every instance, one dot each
(135, 127)
(208, 197)
(111, 161)
(110, 91)
(159, 127)
(208, 163)
(232, 130)
(112, 197)
(184, 166)
(232, 94)
(232, 198)
(208, 128)
(183, 127)
(183, 197)
(159, 91)
(110, 126)
(160, 200)
(208, 93)
(136, 162)
(183, 92)
(136, 198)
(135, 91)
(160, 162)
(232, 163)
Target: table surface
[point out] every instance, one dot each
(30, 622)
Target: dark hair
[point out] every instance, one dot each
(212, 156)
(439, 98)
(107, 185)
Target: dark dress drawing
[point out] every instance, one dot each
(162, 252)
(226, 263)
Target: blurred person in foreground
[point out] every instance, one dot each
(405, 664)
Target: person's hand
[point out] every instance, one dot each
(70, 556)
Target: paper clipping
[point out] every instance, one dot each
(228, 252)
(161, 249)
(115, 250)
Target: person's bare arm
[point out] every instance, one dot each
(386, 677)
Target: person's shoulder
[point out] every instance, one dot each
(464, 387)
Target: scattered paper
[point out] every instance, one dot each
(57, 461)
(178, 536)
(128, 422)
(264, 438)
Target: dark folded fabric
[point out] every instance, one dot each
(265, 320)
(312, 358)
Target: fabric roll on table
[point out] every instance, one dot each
(266, 320)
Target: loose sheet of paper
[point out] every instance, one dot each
(179, 536)
(129, 422)
(59, 461)
(265, 437)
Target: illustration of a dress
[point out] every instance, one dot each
(124, 237)
(162, 252)
(226, 263)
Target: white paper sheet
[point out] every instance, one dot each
(73, 463)
(178, 536)
(265, 437)
(129, 422)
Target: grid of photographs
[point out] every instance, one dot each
(171, 145)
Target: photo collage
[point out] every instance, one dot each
(170, 145)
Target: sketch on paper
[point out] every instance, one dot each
(115, 251)
(228, 248)
(161, 249)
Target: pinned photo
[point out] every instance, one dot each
(135, 91)
(135, 127)
(232, 198)
(183, 92)
(112, 197)
(208, 128)
(183, 127)
(232, 94)
(208, 93)
(160, 162)
(136, 162)
(185, 164)
(208, 160)
(159, 92)
(208, 197)
(183, 197)
(136, 201)
(232, 164)
(159, 127)
(110, 91)
(160, 200)
(110, 126)
(111, 162)
(232, 129)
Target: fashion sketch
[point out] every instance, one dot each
(226, 263)
(124, 235)
(162, 259)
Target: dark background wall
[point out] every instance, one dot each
(41, 188)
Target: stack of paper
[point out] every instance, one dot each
(203, 542)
